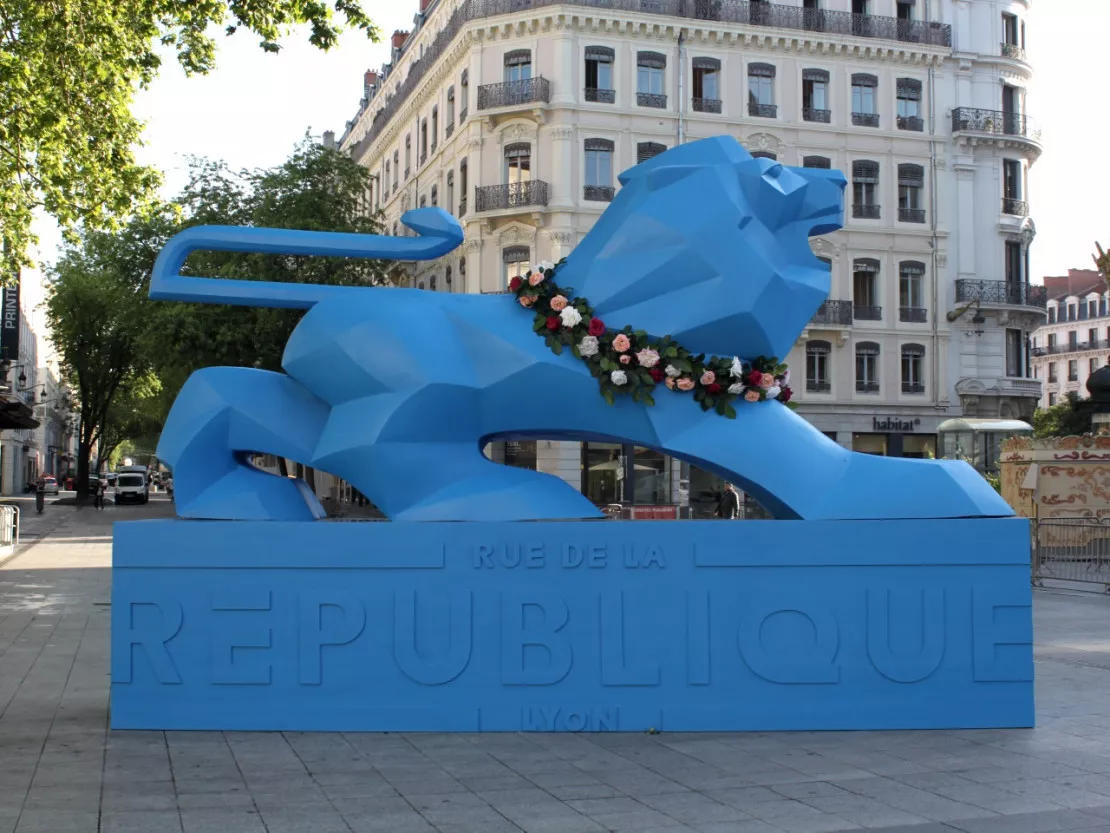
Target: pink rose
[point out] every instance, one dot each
(647, 358)
(669, 382)
(767, 381)
(625, 359)
(685, 384)
(558, 303)
(752, 395)
(621, 343)
(708, 378)
(527, 300)
(535, 279)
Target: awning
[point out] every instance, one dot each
(15, 413)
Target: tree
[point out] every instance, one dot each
(1102, 262)
(1064, 419)
(136, 413)
(97, 310)
(69, 70)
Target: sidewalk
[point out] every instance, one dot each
(62, 771)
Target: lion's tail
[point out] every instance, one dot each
(439, 233)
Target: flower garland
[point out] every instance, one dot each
(631, 363)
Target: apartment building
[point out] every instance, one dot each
(517, 116)
(1075, 340)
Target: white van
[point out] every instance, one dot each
(132, 485)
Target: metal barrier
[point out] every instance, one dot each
(9, 526)
(1071, 549)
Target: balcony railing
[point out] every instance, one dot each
(601, 96)
(836, 313)
(651, 100)
(1018, 208)
(913, 387)
(813, 114)
(599, 193)
(725, 11)
(514, 93)
(1001, 292)
(1078, 347)
(865, 119)
(864, 386)
(911, 123)
(512, 195)
(1012, 50)
(911, 215)
(995, 122)
(818, 385)
(913, 315)
(707, 105)
(763, 111)
(866, 212)
(864, 313)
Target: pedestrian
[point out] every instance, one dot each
(729, 505)
(98, 498)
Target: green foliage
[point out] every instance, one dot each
(1063, 419)
(1102, 262)
(69, 70)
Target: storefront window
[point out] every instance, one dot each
(521, 453)
(869, 443)
(602, 471)
(919, 446)
(653, 477)
(705, 492)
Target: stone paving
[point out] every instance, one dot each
(62, 771)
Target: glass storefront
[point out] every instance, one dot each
(602, 472)
(896, 445)
(869, 444)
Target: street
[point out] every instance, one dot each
(62, 771)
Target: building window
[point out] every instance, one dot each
(423, 201)
(865, 188)
(518, 163)
(761, 91)
(462, 272)
(1073, 340)
(1051, 340)
(646, 150)
(516, 260)
(447, 278)
(464, 93)
(387, 169)
(816, 162)
(764, 154)
(435, 127)
(867, 367)
(1092, 366)
(408, 157)
(909, 105)
(423, 141)
(1010, 30)
(864, 87)
(865, 289)
(1052, 371)
(396, 168)
(394, 228)
(1073, 367)
(518, 65)
(815, 95)
(599, 75)
(450, 192)
(1015, 361)
(599, 170)
(1015, 276)
(817, 366)
(1051, 399)
(911, 182)
(435, 196)
(432, 283)
(911, 292)
(449, 121)
(707, 85)
(913, 379)
(462, 187)
(651, 70)
(1092, 337)
(1012, 191)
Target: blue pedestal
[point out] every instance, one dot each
(572, 626)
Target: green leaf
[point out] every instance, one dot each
(730, 411)
(608, 394)
(709, 401)
(574, 350)
(671, 353)
(556, 347)
(650, 400)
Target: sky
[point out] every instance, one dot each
(255, 106)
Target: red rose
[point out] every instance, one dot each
(515, 284)
(755, 378)
(714, 388)
(785, 394)
(597, 327)
(656, 374)
(553, 322)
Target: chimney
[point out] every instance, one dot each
(399, 39)
(424, 5)
(369, 79)
(329, 139)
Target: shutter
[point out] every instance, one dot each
(515, 254)
(761, 70)
(652, 60)
(865, 264)
(599, 144)
(909, 88)
(646, 150)
(865, 171)
(815, 75)
(913, 350)
(867, 348)
(816, 162)
(600, 53)
(912, 176)
(862, 79)
(712, 64)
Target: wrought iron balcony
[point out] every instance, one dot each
(911, 215)
(1018, 208)
(864, 313)
(707, 105)
(601, 96)
(913, 315)
(995, 122)
(1001, 292)
(651, 100)
(865, 119)
(866, 212)
(513, 195)
(813, 114)
(911, 123)
(835, 313)
(599, 193)
(818, 385)
(514, 93)
(1012, 50)
(866, 386)
(913, 387)
(763, 111)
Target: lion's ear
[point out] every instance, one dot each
(666, 175)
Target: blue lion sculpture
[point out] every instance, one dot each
(397, 390)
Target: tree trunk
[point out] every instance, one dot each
(82, 484)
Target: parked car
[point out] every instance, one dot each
(51, 484)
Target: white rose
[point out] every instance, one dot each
(618, 377)
(736, 388)
(773, 392)
(737, 368)
(543, 266)
(672, 371)
(786, 377)
(588, 346)
(571, 317)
